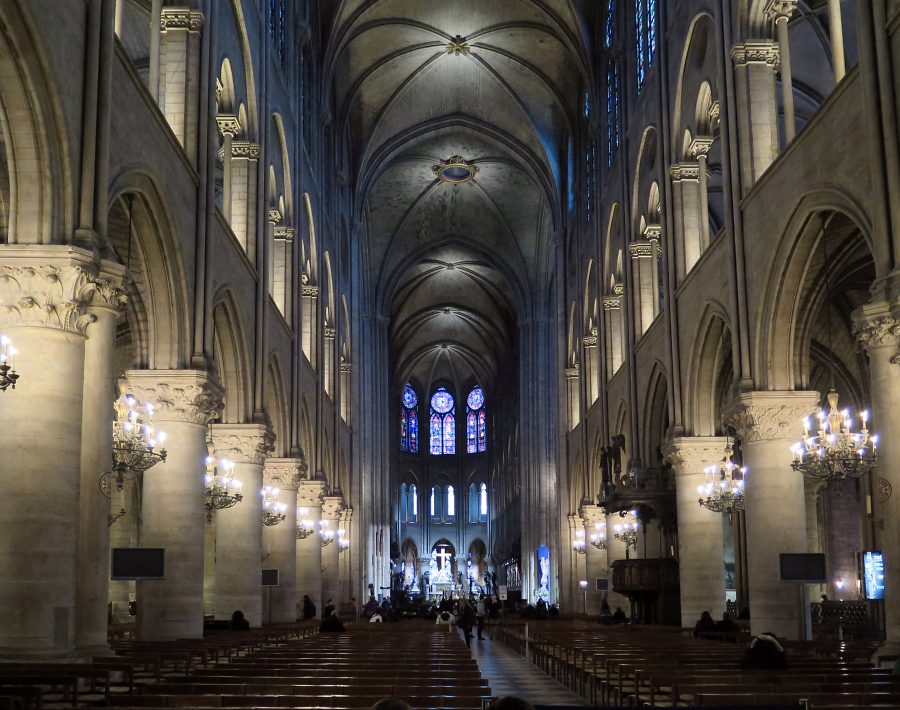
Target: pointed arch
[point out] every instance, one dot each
(711, 372)
(232, 358)
(276, 406)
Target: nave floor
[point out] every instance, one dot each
(507, 673)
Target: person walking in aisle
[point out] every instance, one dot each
(480, 616)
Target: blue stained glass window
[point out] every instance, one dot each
(482, 431)
(471, 433)
(443, 423)
(640, 48)
(409, 421)
(651, 31)
(475, 400)
(277, 23)
(476, 422)
(587, 105)
(609, 30)
(484, 501)
(451, 502)
(612, 110)
(437, 447)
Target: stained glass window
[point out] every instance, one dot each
(587, 105)
(613, 90)
(413, 504)
(409, 421)
(404, 503)
(589, 157)
(609, 31)
(483, 510)
(476, 422)
(277, 23)
(443, 423)
(645, 37)
(434, 507)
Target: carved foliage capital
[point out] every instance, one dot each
(878, 331)
(286, 474)
(771, 416)
(592, 515)
(189, 396)
(692, 454)
(682, 172)
(311, 494)
(759, 51)
(242, 443)
(332, 507)
(181, 18)
(245, 149)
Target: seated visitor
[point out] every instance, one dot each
(727, 625)
(238, 622)
(445, 618)
(331, 624)
(371, 607)
(765, 652)
(309, 609)
(619, 617)
(705, 624)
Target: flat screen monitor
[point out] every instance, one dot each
(138, 563)
(270, 578)
(803, 567)
(873, 574)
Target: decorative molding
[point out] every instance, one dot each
(332, 507)
(780, 9)
(47, 295)
(572, 372)
(685, 172)
(770, 416)
(653, 231)
(286, 474)
(309, 290)
(274, 215)
(190, 396)
(457, 46)
(592, 515)
(285, 234)
(644, 249)
(181, 18)
(878, 331)
(228, 125)
(345, 367)
(242, 443)
(108, 293)
(756, 51)
(612, 303)
(700, 146)
(311, 494)
(715, 110)
(245, 149)
(692, 454)
(329, 332)
(589, 341)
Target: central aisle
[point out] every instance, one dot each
(508, 673)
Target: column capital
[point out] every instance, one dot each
(592, 515)
(286, 474)
(228, 125)
(309, 290)
(700, 146)
(590, 341)
(644, 249)
(242, 443)
(191, 396)
(332, 507)
(181, 18)
(780, 9)
(875, 326)
(685, 172)
(311, 494)
(770, 416)
(48, 287)
(756, 51)
(245, 149)
(612, 303)
(692, 454)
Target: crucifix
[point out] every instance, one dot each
(444, 556)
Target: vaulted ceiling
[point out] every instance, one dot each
(497, 83)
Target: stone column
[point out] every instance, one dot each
(781, 11)
(310, 495)
(331, 514)
(755, 64)
(769, 423)
(573, 395)
(239, 528)
(699, 149)
(229, 128)
(878, 329)
(309, 327)
(844, 538)
(836, 32)
(612, 317)
(595, 563)
(344, 555)
(172, 514)
(591, 366)
(811, 489)
(92, 581)
(244, 167)
(44, 293)
(701, 556)
(179, 71)
(280, 541)
(124, 532)
(686, 194)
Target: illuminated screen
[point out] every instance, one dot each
(873, 574)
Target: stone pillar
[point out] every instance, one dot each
(686, 194)
(701, 557)
(844, 538)
(699, 149)
(645, 254)
(179, 69)
(591, 366)
(615, 550)
(155, 37)
(309, 334)
(280, 541)
(274, 218)
(44, 293)
(879, 332)
(811, 490)
(781, 11)
(836, 32)
(612, 316)
(124, 532)
(769, 423)
(595, 562)
(755, 63)
(229, 128)
(344, 576)
(239, 528)
(244, 166)
(283, 263)
(573, 392)
(172, 514)
(310, 495)
(92, 581)
(331, 514)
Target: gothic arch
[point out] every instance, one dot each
(232, 358)
(160, 254)
(711, 370)
(778, 358)
(656, 415)
(277, 409)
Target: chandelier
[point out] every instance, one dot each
(578, 542)
(8, 375)
(598, 538)
(723, 491)
(835, 451)
(273, 512)
(137, 446)
(343, 540)
(326, 536)
(222, 491)
(305, 526)
(627, 531)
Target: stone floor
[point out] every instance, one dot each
(510, 674)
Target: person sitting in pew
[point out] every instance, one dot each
(309, 609)
(331, 624)
(619, 616)
(727, 625)
(705, 625)
(766, 653)
(238, 622)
